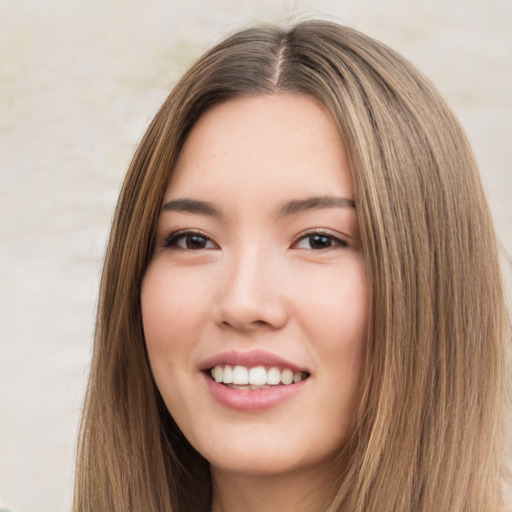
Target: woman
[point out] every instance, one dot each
(301, 306)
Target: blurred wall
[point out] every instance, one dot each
(79, 82)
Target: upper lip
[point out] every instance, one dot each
(249, 359)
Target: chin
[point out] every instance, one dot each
(270, 454)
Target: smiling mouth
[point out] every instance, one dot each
(255, 377)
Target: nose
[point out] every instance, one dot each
(252, 295)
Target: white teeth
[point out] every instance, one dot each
(287, 377)
(228, 374)
(240, 375)
(218, 374)
(273, 376)
(257, 377)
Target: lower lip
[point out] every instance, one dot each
(252, 400)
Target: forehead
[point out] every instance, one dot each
(287, 143)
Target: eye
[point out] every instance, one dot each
(319, 241)
(189, 240)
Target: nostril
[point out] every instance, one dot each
(241, 325)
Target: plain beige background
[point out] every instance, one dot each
(79, 82)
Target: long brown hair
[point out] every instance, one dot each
(428, 432)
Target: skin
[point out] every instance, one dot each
(253, 278)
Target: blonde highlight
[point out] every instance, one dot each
(428, 433)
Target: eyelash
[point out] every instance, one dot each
(335, 241)
(172, 240)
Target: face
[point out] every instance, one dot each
(255, 302)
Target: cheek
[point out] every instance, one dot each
(337, 306)
(173, 310)
(336, 320)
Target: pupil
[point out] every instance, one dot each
(320, 241)
(196, 242)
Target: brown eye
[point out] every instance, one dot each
(189, 241)
(319, 241)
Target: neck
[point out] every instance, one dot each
(297, 491)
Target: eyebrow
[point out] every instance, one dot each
(191, 206)
(315, 203)
(289, 208)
